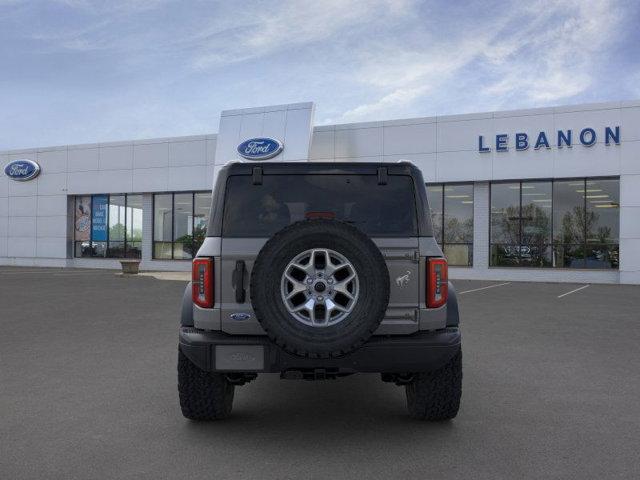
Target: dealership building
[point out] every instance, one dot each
(547, 194)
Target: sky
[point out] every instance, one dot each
(79, 71)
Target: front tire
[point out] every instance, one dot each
(203, 395)
(436, 395)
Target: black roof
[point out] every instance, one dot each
(364, 168)
(327, 168)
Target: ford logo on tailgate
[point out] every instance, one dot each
(260, 148)
(22, 170)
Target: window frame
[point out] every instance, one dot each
(553, 243)
(173, 194)
(125, 241)
(412, 184)
(441, 241)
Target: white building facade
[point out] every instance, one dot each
(550, 194)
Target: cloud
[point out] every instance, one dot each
(286, 25)
(124, 69)
(555, 63)
(542, 53)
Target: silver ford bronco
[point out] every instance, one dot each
(316, 271)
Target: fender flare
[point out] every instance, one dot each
(453, 316)
(186, 313)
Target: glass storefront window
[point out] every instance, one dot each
(117, 220)
(603, 223)
(564, 223)
(536, 200)
(180, 224)
(108, 226)
(434, 195)
(162, 225)
(505, 224)
(569, 223)
(451, 208)
(82, 226)
(134, 226)
(201, 207)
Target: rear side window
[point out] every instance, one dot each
(261, 210)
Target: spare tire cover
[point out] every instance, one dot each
(320, 288)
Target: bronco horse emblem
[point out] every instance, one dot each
(403, 280)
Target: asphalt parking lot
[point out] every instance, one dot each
(551, 389)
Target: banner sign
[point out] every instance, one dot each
(83, 219)
(99, 218)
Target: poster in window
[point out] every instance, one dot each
(99, 218)
(83, 219)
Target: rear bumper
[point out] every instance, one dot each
(423, 351)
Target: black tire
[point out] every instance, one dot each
(331, 341)
(436, 395)
(203, 395)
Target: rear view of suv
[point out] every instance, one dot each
(315, 271)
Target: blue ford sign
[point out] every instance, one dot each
(22, 170)
(260, 148)
(564, 138)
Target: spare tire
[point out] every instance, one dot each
(320, 288)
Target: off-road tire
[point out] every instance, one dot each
(203, 395)
(436, 395)
(330, 341)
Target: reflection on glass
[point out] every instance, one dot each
(603, 211)
(182, 225)
(505, 255)
(108, 226)
(564, 224)
(201, 207)
(568, 212)
(134, 226)
(162, 250)
(535, 214)
(569, 256)
(117, 219)
(460, 254)
(82, 226)
(458, 214)
(434, 196)
(505, 213)
(162, 225)
(162, 217)
(602, 256)
(451, 208)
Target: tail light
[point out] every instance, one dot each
(202, 282)
(437, 282)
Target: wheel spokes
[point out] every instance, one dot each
(319, 287)
(343, 287)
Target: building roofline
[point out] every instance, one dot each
(569, 108)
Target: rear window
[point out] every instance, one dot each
(262, 210)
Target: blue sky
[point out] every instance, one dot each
(76, 71)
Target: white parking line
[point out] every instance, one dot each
(573, 291)
(484, 288)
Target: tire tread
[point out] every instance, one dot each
(435, 396)
(203, 395)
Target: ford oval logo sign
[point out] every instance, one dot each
(22, 170)
(260, 148)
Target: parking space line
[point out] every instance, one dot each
(484, 288)
(573, 291)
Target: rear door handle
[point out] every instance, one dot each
(238, 281)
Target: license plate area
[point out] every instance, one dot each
(239, 357)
